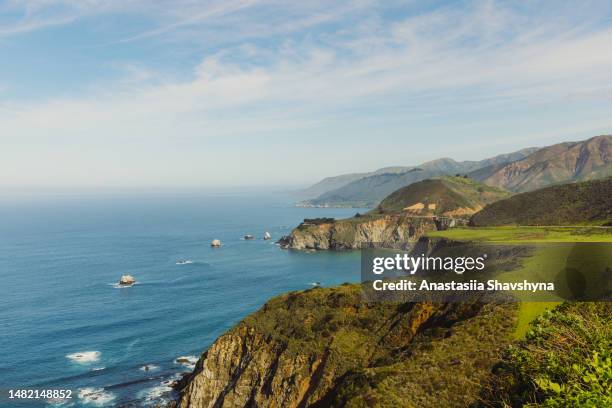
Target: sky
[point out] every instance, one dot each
(186, 93)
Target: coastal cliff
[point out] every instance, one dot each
(401, 218)
(352, 233)
(330, 347)
(326, 347)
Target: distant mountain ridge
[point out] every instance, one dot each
(560, 163)
(525, 170)
(369, 190)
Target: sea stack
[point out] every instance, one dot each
(267, 236)
(127, 280)
(215, 243)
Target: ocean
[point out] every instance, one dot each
(65, 323)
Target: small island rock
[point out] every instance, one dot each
(215, 243)
(127, 280)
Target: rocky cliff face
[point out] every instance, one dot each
(326, 347)
(352, 233)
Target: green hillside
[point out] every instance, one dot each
(569, 204)
(450, 195)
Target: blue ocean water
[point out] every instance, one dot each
(65, 324)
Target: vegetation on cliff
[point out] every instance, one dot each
(564, 361)
(453, 196)
(327, 347)
(587, 202)
(353, 232)
(400, 218)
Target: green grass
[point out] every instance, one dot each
(544, 263)
(526, 234)
(527, 312)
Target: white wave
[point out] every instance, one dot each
(149, 367)
(187, 361)
(120, 286)
(84, 356)
(60, 403)
(155, 394)
(159, 393)
(98, 368)
(184, 262)
(96, 396)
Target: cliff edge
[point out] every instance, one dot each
(326, 347)
(353, 232)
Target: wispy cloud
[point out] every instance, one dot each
(415, 70)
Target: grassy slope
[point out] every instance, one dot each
(449, 193)
(588, 203)
(526, 234)
(528, 310)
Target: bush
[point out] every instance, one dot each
(565, 361)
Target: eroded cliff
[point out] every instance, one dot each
(326, 347)
(353, 232)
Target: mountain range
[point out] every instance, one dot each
(557, 164)
(523, 170)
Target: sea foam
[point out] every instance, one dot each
(96, 396)
(84, 356)
(187, 361)
(160, 393)
(149, 367)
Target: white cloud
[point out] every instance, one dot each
(415, 70)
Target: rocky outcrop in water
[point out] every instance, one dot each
(127, 280)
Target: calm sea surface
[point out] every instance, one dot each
(64, 324)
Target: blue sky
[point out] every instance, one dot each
(122, 93)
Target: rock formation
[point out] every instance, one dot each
(127, 280)
(392, 230)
